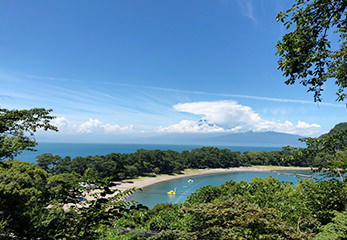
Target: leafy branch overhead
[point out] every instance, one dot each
(17, 128)
(307, 54)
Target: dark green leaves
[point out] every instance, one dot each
(17, 128)
(330, 148)
(305, 52)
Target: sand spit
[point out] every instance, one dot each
(147, 181)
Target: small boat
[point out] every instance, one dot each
(190, 180)
(172, 192)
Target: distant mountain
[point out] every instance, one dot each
(273, 139)
(259, 139)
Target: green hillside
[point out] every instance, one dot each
(338, 127)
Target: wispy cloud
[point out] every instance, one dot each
(149, 107)
(247, 9)
(5, 96)
(271, 99)
(45, 78)
(89, 93)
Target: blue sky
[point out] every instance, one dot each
(111, 69)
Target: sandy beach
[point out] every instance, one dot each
(143, 182)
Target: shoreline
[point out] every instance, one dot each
(143, 182)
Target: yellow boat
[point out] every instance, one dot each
(172, 192)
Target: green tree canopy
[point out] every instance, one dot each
(307, 54)
(17, 128)
(330, 149)
(23, 195)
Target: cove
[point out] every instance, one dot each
(157, 193)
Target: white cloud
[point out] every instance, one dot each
(306, 125)
(60, 122)
(229, 116)
(90, 126)
(191, 127)
(226, 114)
(95, 125)
(116, 128)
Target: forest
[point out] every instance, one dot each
(146, 162)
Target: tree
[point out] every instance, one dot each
(24, 194)
(338, 127)
(17, 128)
(239, 219)
(337, 229)
(331, 148)
(307, 54)
(100, 205)
(47, 161)
(35, 204)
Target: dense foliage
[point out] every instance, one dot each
(36, 204)
(147, 162)
(32, 203)
(329, 150)
(24, 194)
(338, 127)
(308, 52)
(17, 128)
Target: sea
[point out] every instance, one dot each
(91, 149)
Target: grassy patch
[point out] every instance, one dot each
(191, 171)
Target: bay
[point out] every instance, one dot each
(157, 193)
(91, 149)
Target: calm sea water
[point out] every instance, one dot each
(91, 149)
(157, 193)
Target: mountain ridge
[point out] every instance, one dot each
(227, 139)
